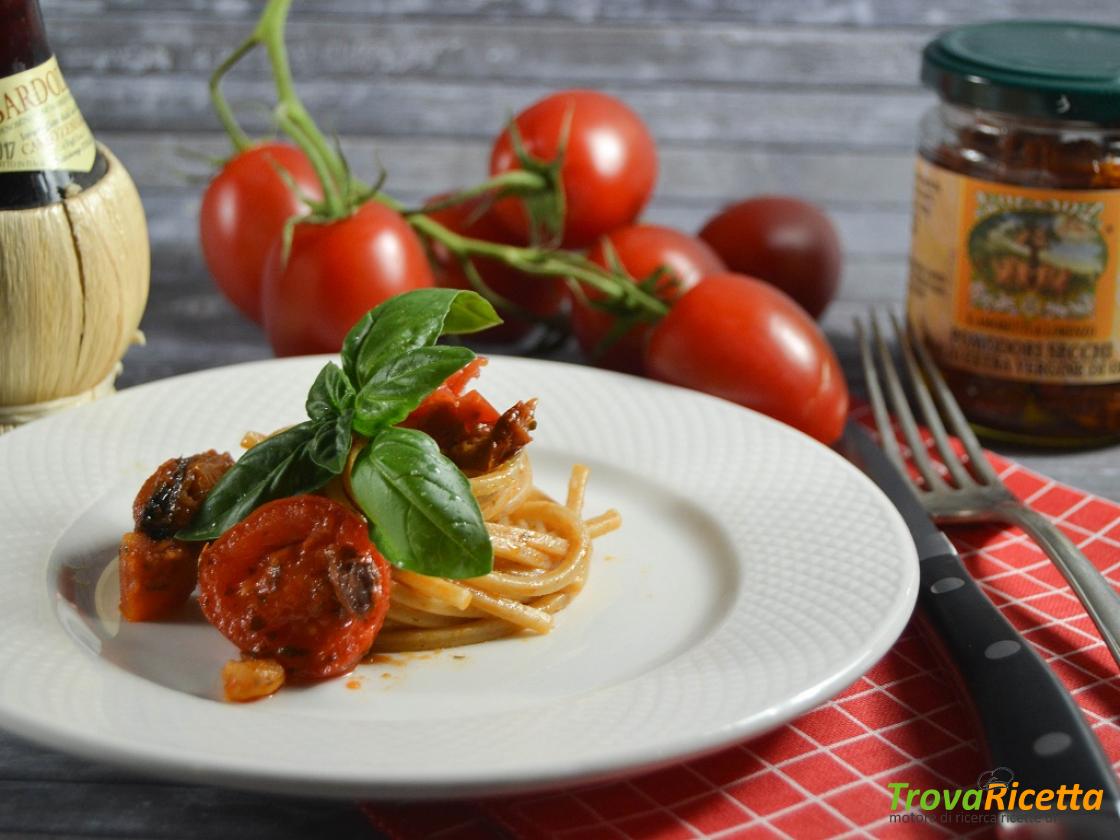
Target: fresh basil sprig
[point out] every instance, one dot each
(421, 512)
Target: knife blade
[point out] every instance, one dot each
(1030, 723)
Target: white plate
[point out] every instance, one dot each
(757, 573)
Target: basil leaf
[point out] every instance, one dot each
(277, 467)
(421, 511)
(331, 395)
(397, 388)
(470, 312)
(408, 322)
(352, 344)
(330, 445)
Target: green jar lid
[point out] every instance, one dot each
(1034, 68)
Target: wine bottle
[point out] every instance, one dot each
(47, 151)
(74, 256)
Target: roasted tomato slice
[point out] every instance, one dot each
(169, 499)
(459, 380)
(157, 571)
(298, 581)
(157, 576)
(447, 413)
(468, 429)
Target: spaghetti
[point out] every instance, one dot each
(542, 551)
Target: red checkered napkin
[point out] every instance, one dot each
(825, 774)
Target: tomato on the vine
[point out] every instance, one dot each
(641, 250)
(336, 272)
(540, 295)
(787, 242)
(244, 210)
(609, 166)
(744, 340)
(299, 581)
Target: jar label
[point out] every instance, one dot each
(41, 127)
(1016, 282)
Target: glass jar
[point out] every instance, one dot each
(1016, 229)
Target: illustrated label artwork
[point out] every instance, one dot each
(41, 127)
(1015, 282)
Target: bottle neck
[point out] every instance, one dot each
(23, 39)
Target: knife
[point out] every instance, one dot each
(1031, 725)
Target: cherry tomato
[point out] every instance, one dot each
(543, 296)
(298, 581)
(641, 249)
(609, 168)
(784, 241)
(244, 210)
(335, 273)
(741, 339)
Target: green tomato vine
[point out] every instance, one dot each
(537, 183)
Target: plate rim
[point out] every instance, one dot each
(240, 774)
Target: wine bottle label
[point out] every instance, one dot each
(40, 124)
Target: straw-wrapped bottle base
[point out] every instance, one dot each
(12, 416)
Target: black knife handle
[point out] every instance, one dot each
(1031, 724)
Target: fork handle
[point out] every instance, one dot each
(1094, 592)
(1031, 724)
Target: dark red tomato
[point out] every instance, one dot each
(459, 380)
(243, 213)
(787, 242)
(609, 169)
(641, 249)
(450, 407)
(543, 296)
(298, 581)
(335, 273)
(741, 339)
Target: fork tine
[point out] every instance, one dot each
(929, 411)
(878, 405)
(953, 415)
(897, 397)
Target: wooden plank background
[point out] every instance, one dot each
(810, 97)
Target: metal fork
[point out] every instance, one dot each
(973, 491)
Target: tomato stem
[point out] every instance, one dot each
(332, 170)
(539, 261)
(534, 260)
(237, 136)
(513, 182)
(332, 199)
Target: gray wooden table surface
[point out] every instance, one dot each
(810, 97)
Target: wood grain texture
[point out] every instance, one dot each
(800, 117)
(817, 98)
(46, 794)
(556, 53)
(862, 13)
